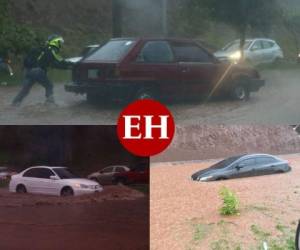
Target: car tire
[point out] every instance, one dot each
(21, 189)
(67, 192)
(240, 91)
(145, 94)
(121, 181)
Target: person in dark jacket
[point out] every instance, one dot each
(36, 70)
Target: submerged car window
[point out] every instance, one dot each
(225, 163)
(188, 52)
(265, 160)
(248, 162)
(156, 52)
(64, 173)
(112, 51)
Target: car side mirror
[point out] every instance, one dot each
(54, 178)
(238, 167)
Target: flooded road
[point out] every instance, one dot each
(277, 103)
(114, 219)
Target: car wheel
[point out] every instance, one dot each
(240, 92)
(298, 237)
(121, 181)
(145, 94)
(21, 189)
(67, 191)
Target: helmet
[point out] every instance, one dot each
(56, 41)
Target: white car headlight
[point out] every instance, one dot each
(207, 178)
(236, 56)
(78, 185)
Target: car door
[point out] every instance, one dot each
(245, 168)
(30, 180)
(256, 54)
(197, 67)
(265, 165)
(45, 185)
(106, 175)
(155, 68)
(269, 53)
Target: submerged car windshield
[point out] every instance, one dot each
(113, 51)
(234, 46)
(225, 163)
(64, 173)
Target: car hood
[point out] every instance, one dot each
(80, 181)
(221, 53)
(96, 174)
(204, 173)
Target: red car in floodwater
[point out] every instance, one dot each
(137, 175)
(169, 69)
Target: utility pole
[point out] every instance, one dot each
(165, 17)
(117, 18)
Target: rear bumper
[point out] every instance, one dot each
(115, 90)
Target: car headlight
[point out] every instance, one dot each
(207, 178)
(236, 56)
(82, 186)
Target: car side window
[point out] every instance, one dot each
(265, 160)
(108, 170)
(156, 52)
(45, 173)
(190, 52)
(32, 173)
(257, 46)
(267, 44)
(120, 170)
(246, 163)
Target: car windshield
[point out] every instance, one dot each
(113, 51)
(225, 163)
(64, 173)
(234, 46)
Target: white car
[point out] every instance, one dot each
(57, 181)
(106, 175)
(256, 51)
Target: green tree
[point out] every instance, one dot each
(241, 14)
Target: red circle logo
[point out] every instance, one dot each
(146, 128)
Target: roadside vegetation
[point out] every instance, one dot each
(222, 235)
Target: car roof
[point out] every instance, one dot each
(255, 39)
(172, 39)
(247, 156)
(45, 167)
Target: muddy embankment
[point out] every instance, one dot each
(200, 142)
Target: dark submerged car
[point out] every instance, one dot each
(243, 166)
(167, 69)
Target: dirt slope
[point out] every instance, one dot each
(199, 142)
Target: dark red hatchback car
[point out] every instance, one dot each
(167, 69)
